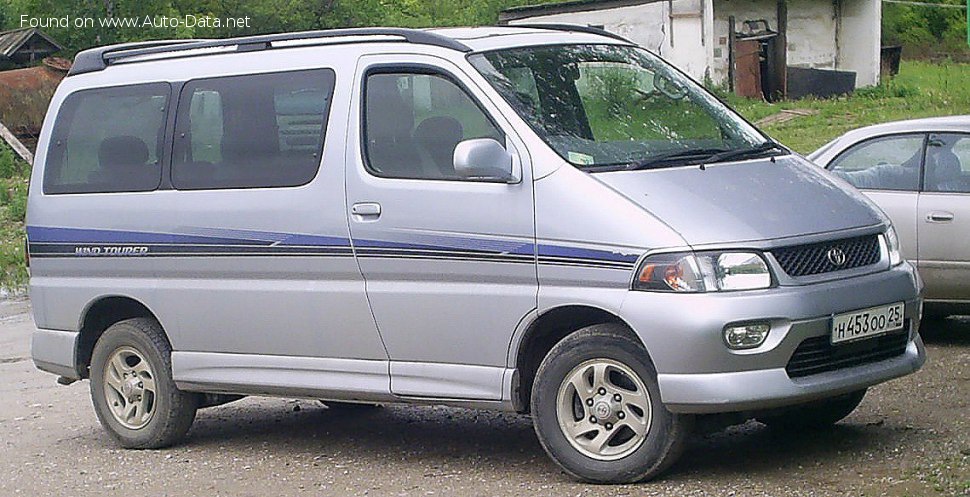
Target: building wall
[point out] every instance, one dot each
(691, 45)
(811, 31)
(822, 34)
(649, 25)
(860, 34)
(812, 34)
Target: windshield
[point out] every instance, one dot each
(608, 105)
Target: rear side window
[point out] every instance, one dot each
(108, 140)
(253, 131)
(948, 163)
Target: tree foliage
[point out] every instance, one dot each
(926, 30)
(266, 16)
(920, 29)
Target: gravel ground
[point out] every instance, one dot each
(910, 437)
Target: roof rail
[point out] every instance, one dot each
(97, 59)
(576, 28)
(93, 59)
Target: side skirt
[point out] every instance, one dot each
(477, 387)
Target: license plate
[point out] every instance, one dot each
(866, 323)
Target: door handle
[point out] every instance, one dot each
(939, 217)
(366, 209)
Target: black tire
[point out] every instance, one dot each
(174, 410)
(815, 415)
(666, 433)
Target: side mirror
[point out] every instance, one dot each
(670, 88)
(483, 158)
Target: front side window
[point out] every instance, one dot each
(948, 163)
(108, 140)
(414, 121)
(608, 106)
(886, 163)
(253, 131)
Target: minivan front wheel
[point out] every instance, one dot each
(597, 411)
(132, 389)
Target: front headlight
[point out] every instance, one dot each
(892, 247)
(690, 272)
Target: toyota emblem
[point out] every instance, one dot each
(836, 256)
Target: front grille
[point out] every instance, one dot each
(817, 355)
(813, 258)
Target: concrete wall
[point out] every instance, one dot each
(822, 34)
(811, 31)
(811, 34)
(690, 45)
(645, 24)
(860, 34)
(742, 10)
(649, 25)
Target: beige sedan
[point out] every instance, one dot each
(918, 172)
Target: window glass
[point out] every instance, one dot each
(108, 140)
(606, 106)
(413, 122)
(609, 90)
(888, 163)
(948, 163)
(253, 131)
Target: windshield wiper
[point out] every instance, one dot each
(672, 158)
(689, 156)
(741, 153)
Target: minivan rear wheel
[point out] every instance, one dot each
(597, 411)
(132, 389)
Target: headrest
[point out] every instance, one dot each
(440, 129)
(248, 149)
(946, 167)
(122, 151)
(389, 116)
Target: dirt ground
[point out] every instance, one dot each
(910, 437)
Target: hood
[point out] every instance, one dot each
(746, 201)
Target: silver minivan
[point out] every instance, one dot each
(545, 219)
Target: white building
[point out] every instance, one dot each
(695, 35)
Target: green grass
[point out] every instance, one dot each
(922, 89)
(13, 206)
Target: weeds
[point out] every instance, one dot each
(888, 89)
(13, 209)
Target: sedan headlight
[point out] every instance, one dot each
(703, 272)
(892, 247)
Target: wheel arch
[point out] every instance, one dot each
(543, 333)
(97, 316)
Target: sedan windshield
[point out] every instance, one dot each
(607, 107)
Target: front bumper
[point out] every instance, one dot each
(768, 388)
(697, 373)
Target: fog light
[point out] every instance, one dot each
(746, 336)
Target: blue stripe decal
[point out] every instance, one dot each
(63, 242)
(438, 242)
(41, 234)
(582, 253)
